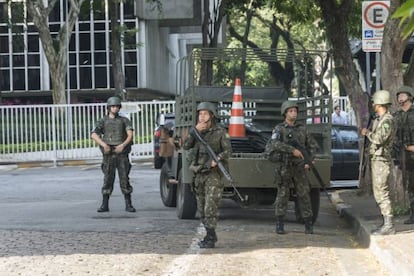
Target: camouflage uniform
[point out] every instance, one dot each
(404, 121)
(382, 139)
(290, 171)
(208, 184)
(114, 132)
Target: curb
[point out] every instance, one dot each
(49, 164)
(382, 247)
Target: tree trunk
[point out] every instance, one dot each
(336, 16)
(210, 30)
(392, 78)
(392, 51)
(117, 73)
(55, 48)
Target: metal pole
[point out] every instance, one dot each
(378, 70)
(368, 72)
(67, 53)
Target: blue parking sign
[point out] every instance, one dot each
(368, 34)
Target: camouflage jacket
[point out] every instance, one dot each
(382, 137)
(404, 124)
(282, 143)
(113, 130)
(218, 140)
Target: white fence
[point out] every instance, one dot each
(62, 132)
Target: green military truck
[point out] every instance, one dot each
(252, 172)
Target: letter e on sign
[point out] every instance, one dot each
(376, 14)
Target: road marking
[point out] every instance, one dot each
(181, 265)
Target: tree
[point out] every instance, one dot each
(117, 72)
(210, 29)
(335, 14)
(55, 47)
(405, 14)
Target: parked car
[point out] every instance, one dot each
(165, 120)
(345, 152)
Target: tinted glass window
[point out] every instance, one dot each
(5, 80)
(18, 79)
(349, 137)
(33, 43)
(34, 79)
(4, 44)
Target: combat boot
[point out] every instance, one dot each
(128, 204)
(386, 229)
(104, 207)
(378, 227)
(410, 220)
(209, 240)
(308, 226)
(280, 227)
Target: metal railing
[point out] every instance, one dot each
(62, 132)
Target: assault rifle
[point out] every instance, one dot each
(365, 153)
(214, 157)
(295, 143)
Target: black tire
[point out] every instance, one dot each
(168, 191)
(315, 197)
(158, 161)
(186, 202)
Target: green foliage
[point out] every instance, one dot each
(401, 210)
(405, 13)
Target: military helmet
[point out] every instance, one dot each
(381, 97)
(113, 101)
(286, 105)
(405, 89)
(207, 106)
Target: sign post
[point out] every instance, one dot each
(374, 17)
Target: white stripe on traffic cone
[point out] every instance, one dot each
(236, 126)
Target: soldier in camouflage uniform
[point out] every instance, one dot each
(381, 142)
(208, 182)
(404, 120)
(290, 165)
(114, 135)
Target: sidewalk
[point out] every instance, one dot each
(394, 252)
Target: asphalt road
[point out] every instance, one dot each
(49, 226)
(66, 199)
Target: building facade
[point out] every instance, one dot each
(150, 48)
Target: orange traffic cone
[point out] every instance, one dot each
(236, 126)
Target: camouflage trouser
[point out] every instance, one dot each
(110, 163)
(208, 190)
(409, 168)
(380, 171)
(292, 176)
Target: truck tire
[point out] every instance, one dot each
(158, 162)
(315, 197)
(186, 202)
(168, 192)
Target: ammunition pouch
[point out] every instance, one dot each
(200, 168)
(275, 157)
